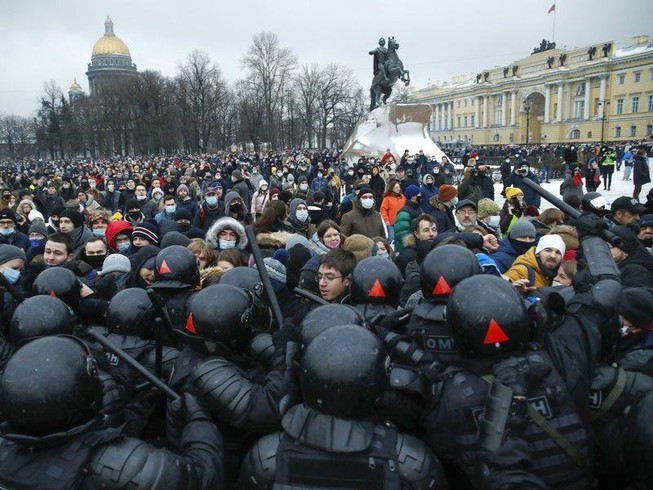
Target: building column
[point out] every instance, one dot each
(504, 108)
(602, 97)
(586, 111)
(567, 111)
(477, 118)
(559, 108)
(547, 104)
(513, 111)
(485, 111)
(451, 116)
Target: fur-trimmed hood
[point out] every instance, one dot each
(276, 239)
(410, 241)
(223, 223)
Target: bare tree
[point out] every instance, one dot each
(201, 90)
(307, 88)
(337, 90)
(269, 68)
(17, 135)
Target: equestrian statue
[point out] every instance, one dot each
(387, 69)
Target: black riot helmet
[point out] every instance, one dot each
(344, 372)
(40, 316)
(327, 316)
(61, 283)
(444, 267)
(50, 386)
(130, 312)
(595, 202)
(376, 280)
(176, 267)
(227, 315)
(246, 278)
(486, 317)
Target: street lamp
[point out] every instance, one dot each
(605, 104)
(527, 110)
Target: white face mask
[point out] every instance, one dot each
(303, 187)
(302, 215)
(556, 283)
(495, 220)
(367, 203)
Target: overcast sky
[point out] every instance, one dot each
(45, 40)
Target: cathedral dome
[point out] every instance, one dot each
(110, 43)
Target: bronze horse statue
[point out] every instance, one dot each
(393, 70)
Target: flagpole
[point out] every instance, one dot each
(554, 22)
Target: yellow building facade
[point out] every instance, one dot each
(591, 94)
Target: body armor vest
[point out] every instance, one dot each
(300, 466)
(52, 468)
(453, 425)
(428, 328)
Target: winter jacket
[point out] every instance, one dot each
(530, 196)
(637, 269)
(520, 270)
(206, 215)
(361, 221)
(232, 224)
(404, 222)
(443, 216)
(476, 187)
(390, 206)
(641, 174)
(508, 252)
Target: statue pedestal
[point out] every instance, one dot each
(397, 127)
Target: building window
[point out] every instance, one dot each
(473, 121)
(621, 79)
(649, 130)
(465, 102)
(638, 76)
(620, 106)
(575, 134)
(458, 121)
(589, 134)
(495, 138)
(650, 103)
(633, 131)
(635, 105)
(474, 100)
(579, 109)
(465, 121)
(617, 132)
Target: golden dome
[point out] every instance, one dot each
(110, 43)
(75, 85)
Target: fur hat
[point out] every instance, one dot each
(486, 207)
(360, 245)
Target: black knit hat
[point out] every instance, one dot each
(629, 241)
(76, 217)
(148, 231)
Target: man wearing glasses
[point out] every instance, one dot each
(9, 235)
(333, 275)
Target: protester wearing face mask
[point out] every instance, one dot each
(260, 199)
(298, 218)
(382, 248)
(12, 262)
(37, 235)
(234, 208)
(363, 219)
(169, 210)
(111, 197)
(211, 210)
(94, 253)
(227, 233)
(9, 235)
(133, 212)
(185, 224)
(118, 236)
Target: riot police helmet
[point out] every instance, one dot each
(40, 316)
(61, 283)
(50, 386)
(327, 316)
(376, 280)
(176, 267)
(487, 317)
(344, 372)
(444, 267)
(246, 278)
(130, 312)
(595, 202)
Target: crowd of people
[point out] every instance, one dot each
(424, 325)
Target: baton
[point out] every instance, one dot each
(262, 271)
(132, 363)
(162, 313)
(311, 296)
(607, 235)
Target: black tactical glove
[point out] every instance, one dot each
(187, 408)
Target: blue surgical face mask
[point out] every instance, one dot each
(211, 200)
(171, 209)
(454, 201)
(123, 247)
(7, 231)
(99, 232)
(12, 275)
(36, 243)
(226, 244)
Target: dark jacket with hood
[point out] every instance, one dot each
(443, 215)
(243, 215)
(361, 221)
(508, 252)
(224, 223)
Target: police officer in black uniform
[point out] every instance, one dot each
(54, 435)
(333, 439)
(549, 380)
(375, 287)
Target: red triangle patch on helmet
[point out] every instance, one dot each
(164, 269)
(441, 287)
(495, 334)
(53, 294)
(190, 325)
(377, 290)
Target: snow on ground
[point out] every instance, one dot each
(619, 188)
